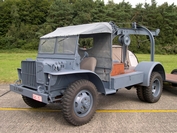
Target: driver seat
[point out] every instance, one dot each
(88, 63)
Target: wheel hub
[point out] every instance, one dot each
(83, 103)
(156, 87)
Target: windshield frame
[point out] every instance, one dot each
(55, 52)
(42, 42)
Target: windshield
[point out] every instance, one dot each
(47, 45)
(64, 45)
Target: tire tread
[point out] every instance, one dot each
(148, 90)
(67, 101)
(33, 103)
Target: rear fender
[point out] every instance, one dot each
(147, 68)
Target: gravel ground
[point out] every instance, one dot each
(136, 116)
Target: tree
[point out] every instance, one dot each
(22, 22)
(98, 12)
(33, 11)
(60, 14)
(5, 16)
(26, 16)
(82, 11)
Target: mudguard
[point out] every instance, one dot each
(147, 68)
(92, 76)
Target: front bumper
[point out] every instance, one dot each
(41, 97)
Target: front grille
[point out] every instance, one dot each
(29, 74)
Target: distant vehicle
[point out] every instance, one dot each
(65, 73)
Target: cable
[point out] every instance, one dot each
(4, 93)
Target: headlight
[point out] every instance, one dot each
(40, 89)
(49, 76)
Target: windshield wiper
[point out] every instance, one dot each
(44, 42)
(63, 39)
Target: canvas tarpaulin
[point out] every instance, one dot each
(84, 29)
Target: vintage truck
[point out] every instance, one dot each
(64, 72)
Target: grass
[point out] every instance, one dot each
(10, 61)
(169, 62)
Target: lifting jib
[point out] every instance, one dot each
(147, 68)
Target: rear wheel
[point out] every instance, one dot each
(79, 102)
(152, 93)
(174, 72)
(139, 91)
(33, 103)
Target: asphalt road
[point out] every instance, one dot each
(119, 113)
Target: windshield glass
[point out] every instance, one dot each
(47, 45)
(64, 45)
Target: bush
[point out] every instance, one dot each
(31, 45)
(6, 42)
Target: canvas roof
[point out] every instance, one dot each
(84, 29)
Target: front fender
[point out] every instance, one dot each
(147, 68)
(80, 74)
(65, 72)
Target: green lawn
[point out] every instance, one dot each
(169, 62)
(9, 62)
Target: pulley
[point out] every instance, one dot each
(125, 40)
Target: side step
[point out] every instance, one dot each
(109, 91)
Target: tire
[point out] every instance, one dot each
(79, 102)
(140, 94)
(33, 103)
(152, 93)
(174, 72)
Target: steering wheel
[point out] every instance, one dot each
(85, 55)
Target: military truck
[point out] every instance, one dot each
(64, 72)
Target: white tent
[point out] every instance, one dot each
(117, 54)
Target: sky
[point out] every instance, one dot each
(134, 2)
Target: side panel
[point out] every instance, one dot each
(147, 68)
(126, 80)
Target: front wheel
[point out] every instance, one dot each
(33, 103)
(79, 102)
(152, 93)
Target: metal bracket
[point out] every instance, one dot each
(136, 30)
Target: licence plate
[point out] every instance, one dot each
(37, 97)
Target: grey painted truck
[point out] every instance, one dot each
(64, 72)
